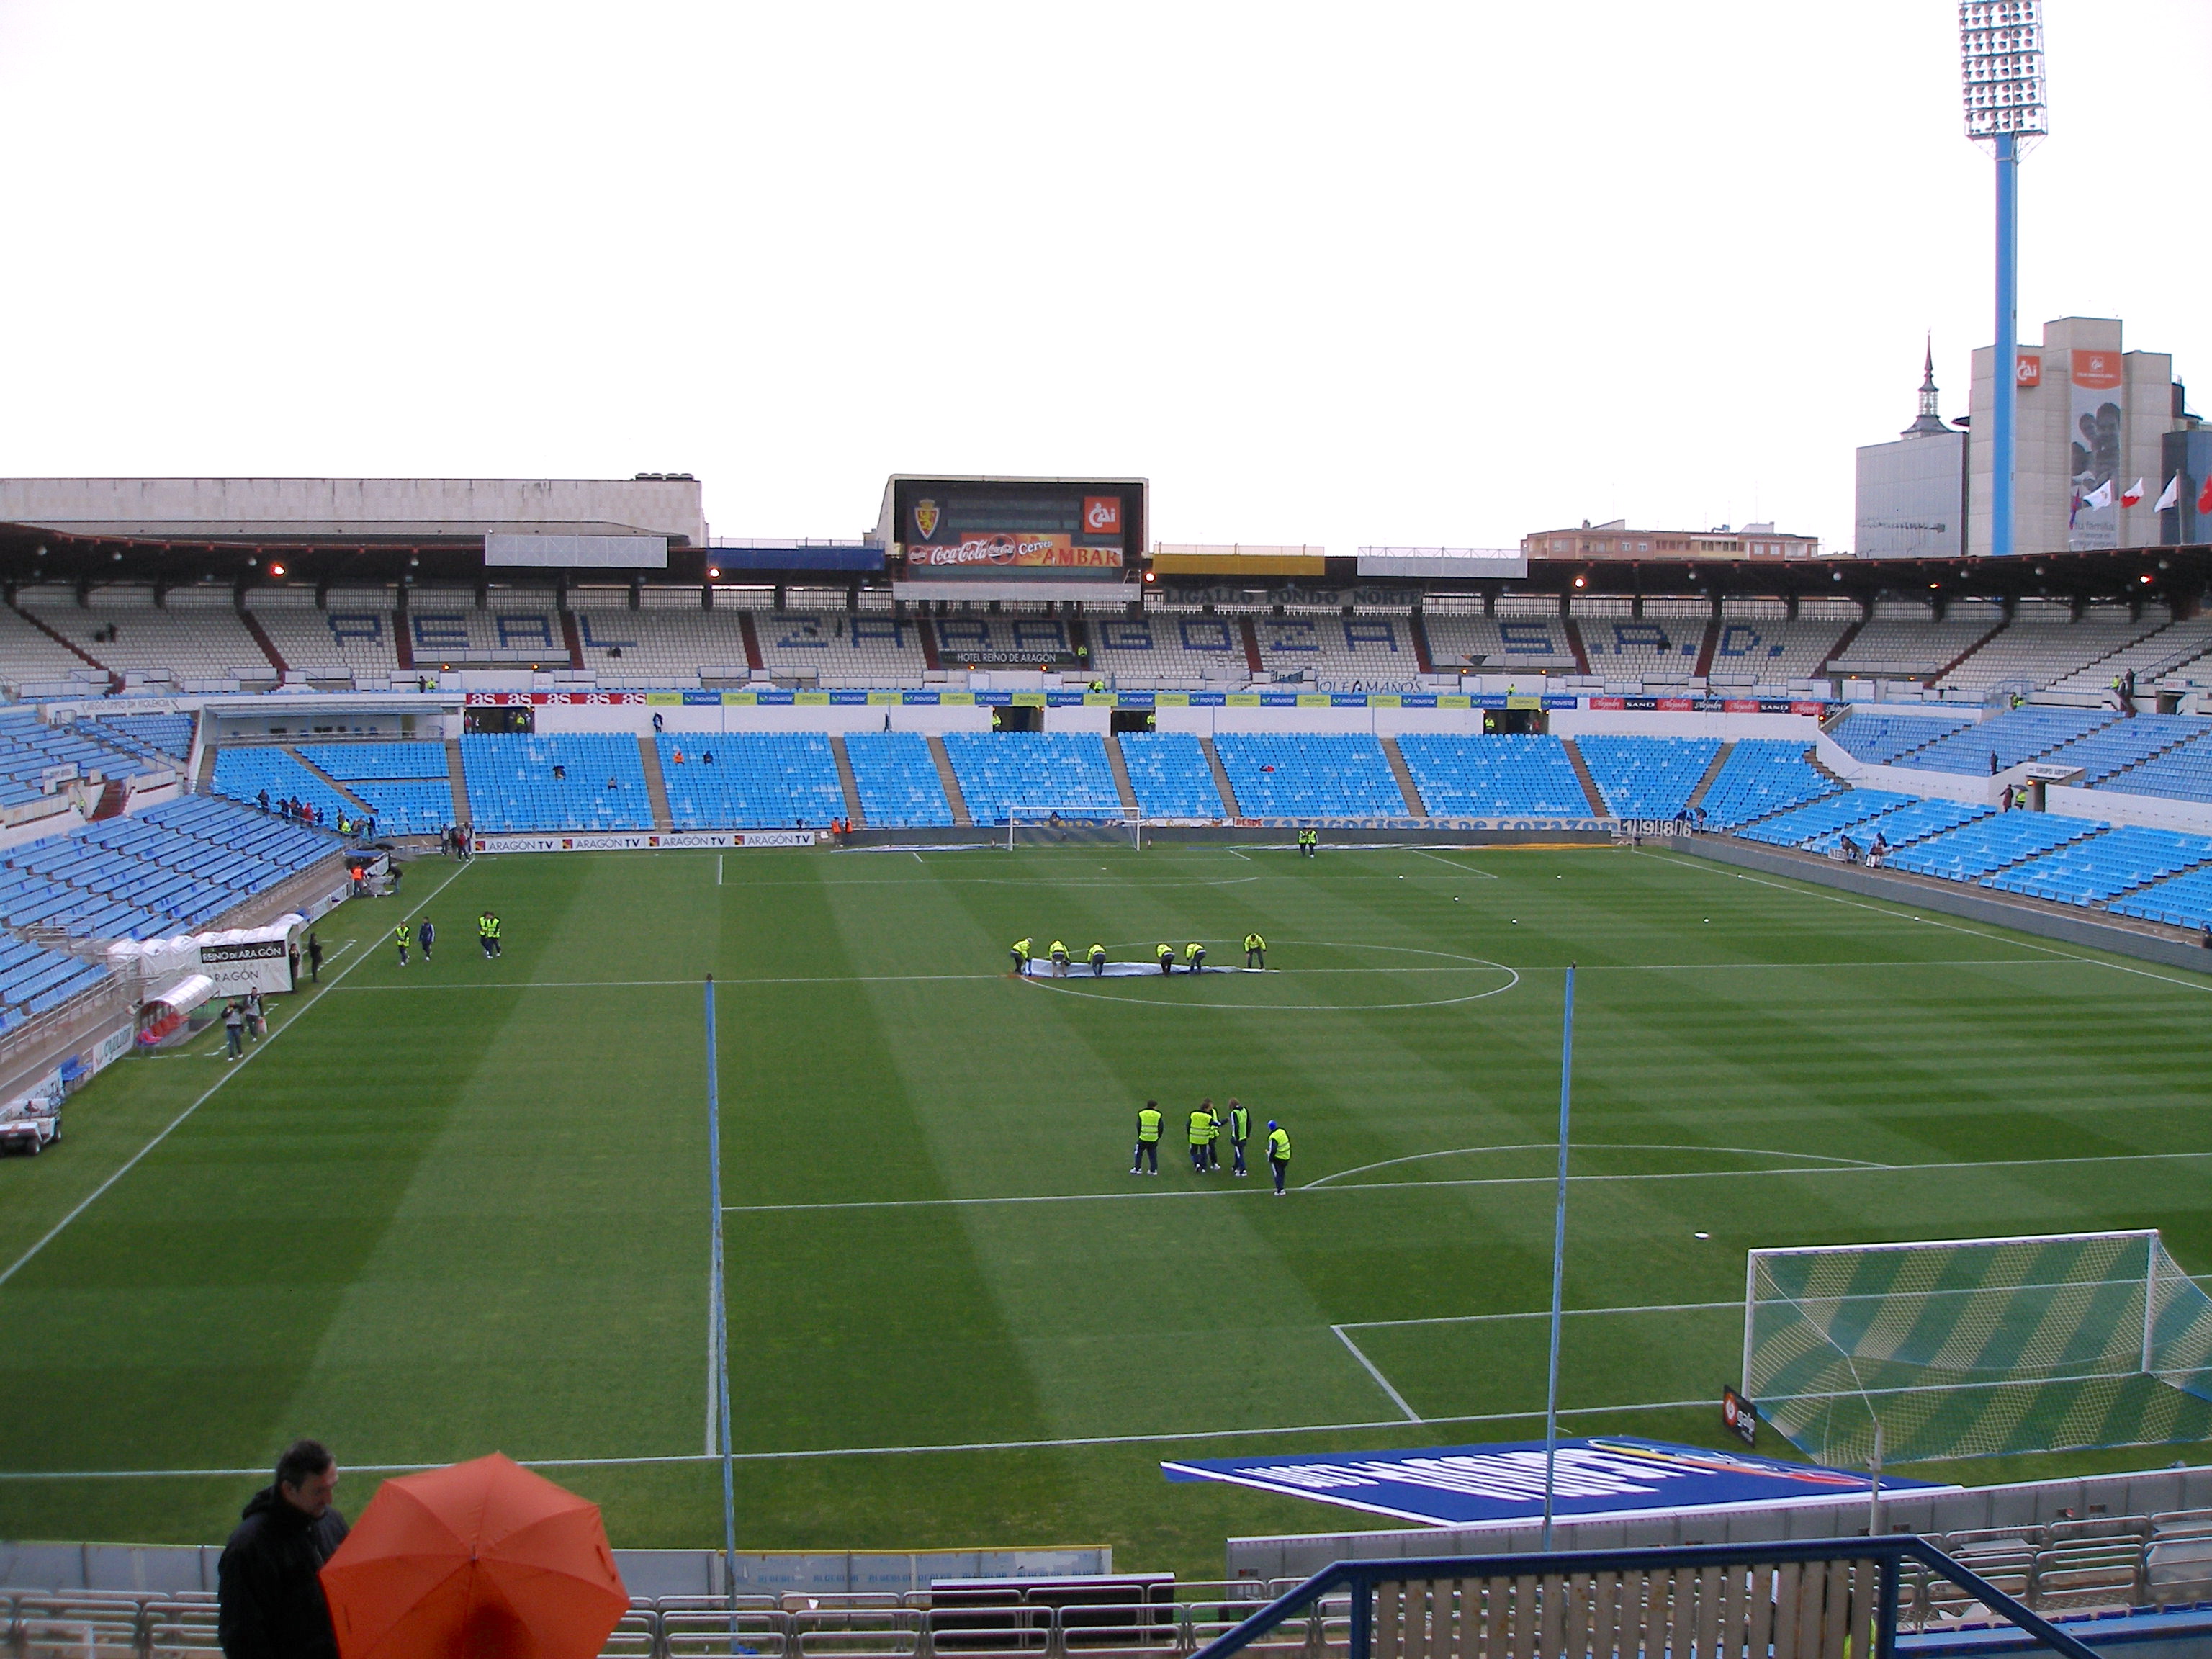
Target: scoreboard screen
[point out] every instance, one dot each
(1017, 530)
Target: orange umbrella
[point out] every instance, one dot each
(481, 1560)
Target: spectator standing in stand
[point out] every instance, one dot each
(269, 1595)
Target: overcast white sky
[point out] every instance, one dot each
(1358, 274)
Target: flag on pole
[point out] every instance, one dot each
(2204, 497)
(2132, 494)
(2099, 499)
(2173, 493)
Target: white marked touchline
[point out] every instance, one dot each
(1319, 1184)
(1534, 1414)
(1903, 911)
(1381, 1381)
(260, 1048)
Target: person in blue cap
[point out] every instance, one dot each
(1278, 1153)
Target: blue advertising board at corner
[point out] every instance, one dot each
(1503, 1485)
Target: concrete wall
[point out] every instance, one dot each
(341, 506)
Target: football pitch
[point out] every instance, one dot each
(462, 1206)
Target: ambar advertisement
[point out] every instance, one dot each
(1015, 529)
(2098, 429)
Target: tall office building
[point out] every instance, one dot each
(1911, 501)
(2093, 419)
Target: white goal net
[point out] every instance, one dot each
(1084, 823)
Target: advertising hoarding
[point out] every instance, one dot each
(1014, 530)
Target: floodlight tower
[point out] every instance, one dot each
(2001, 61)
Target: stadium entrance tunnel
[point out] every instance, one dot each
(1301, 977)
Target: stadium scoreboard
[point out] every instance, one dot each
(1028, 531)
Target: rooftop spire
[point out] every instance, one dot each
(1930, 422)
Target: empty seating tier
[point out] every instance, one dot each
(1034, 770)
(896, 777)
(1168, 773)
(195, 635)
(567, 780)
(349, 762)
(268, 776)
(353, 637)
(2184, 901)
(2021, 734)
(1901, 826)
(1762, 776)
(1647, 777)
(752, 780)
(1885, 739)
(856, 647)
(1171, 649)
(408, 807)
(1369, 650)
(2104, 866)
(2043, 645)
(1989, 844)
(1827, 816)
(1760, 651)
(1501, 775)
(2181, 773)
(1497, 644)
(2126, 743)
(150, 737)
(1906, 641)
(1332, 775)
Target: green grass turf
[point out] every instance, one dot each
(462, 1207)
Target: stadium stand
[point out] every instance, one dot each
(1516, 776)
(2171, 648)
(752, 780)
(245, 773)
(194, 635)
(1168, 771)
(1900, 826)
(1370, 650)
(669, 640)
(1067, 771)
(1471, 644)
(1829, 815)
(2186, 901)
(1765, 651)
(163, 738)
(37, 979)
(350, 637)
(838, 647)
(517, 626)
(2126, 743)
(404, 784)
(29, 749)
(2017, 735)
(2044, 643)
(1320, 775)
(897, 780)
(512, 786)
(179, 865)
(1883, 740)
(1661, 645)
(1991, 843)
(1762, 776)
(1170, 650)
(2104, 866)
(1029, 640)
(2182, 773)
(31, 658)
(1647, 777)
(1903, 640)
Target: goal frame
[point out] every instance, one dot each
(1752, 1257)
(1085, 815)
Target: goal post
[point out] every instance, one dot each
(1084, 822)
(1978, 1347)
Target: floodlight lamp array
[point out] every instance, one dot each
(2001, 64)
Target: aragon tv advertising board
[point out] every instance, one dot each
(1035, 530)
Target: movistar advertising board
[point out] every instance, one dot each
(1594, 1480)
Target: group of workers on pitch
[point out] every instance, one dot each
(1206, 1128)
(425, 932)
(1193, 957)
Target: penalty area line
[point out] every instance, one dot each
(1375, 1371)
(174, 1123)
(1170, 1437)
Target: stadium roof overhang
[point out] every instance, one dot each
(2169, 574)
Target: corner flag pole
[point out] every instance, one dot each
(1558, 1257)
(721, 1323)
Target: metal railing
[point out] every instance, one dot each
(1815, 1599)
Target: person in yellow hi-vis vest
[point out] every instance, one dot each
(1149, 1123)
(1020, 952)
(1166, 954)
(1278, 1153)
(1059, 955)
(1202, 1129)
(1098, 961)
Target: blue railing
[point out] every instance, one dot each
(1888, 1555)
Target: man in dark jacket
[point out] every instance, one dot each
(270, 1598)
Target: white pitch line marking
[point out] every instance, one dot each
(1613, 1146)
(1373, 1370)
(252, 1054)
(1538, 1313)
(1166, 1438)
(1464, 869)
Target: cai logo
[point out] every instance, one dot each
(1102, 515)
(2029, 369)
(924, 518)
